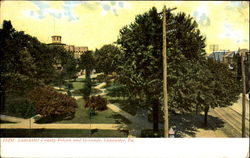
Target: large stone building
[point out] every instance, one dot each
(77, 50)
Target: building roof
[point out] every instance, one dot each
(217, 55)
(231, 54)
(57, 44)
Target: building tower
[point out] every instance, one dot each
(56, 39)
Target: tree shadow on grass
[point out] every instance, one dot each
(187, 124)
(52, 119)
(128, 106)
(3, 122)
(92, 131)
(119, 119)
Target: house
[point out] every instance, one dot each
(218, 55)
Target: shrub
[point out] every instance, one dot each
(48, 102)
(97, 103)
(21, 109)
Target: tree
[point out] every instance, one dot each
(18, 69)
(25, 62)
(71, 68)
(106, 58)
(220, 88)
(87, 63)
(140, 66)
(141, 44)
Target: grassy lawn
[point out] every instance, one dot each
(124, 104)
(77, 80)
(78, 85)
(2, 122)
(62, 133)
(106, 117)
(117, 96)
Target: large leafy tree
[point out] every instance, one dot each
(106, 58)
(87, 63)
(18, 69)
(140, 68)
(25, 62)
(219, 89)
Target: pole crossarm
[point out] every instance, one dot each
(168, 10)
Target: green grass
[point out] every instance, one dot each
(62, 133)
(105, 117)
(77, 85)
(77, 80)
(148, 133)
(2, 122)
(124, 104)
(95, 91)
(116, 96)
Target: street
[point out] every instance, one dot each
(233, 118)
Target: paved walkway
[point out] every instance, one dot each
(138, 122)
(30, 124)
(11, 118)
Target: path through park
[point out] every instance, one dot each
(138, 122)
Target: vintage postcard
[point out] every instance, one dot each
(124, 78)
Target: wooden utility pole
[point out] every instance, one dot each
(243, 94)
(165, 94)
(164, 54)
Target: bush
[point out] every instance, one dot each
(48, 102)
(97, 103)
(22, 109)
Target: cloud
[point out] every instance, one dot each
(231, 33)
(68, 7)
(45, 9)
(201, 15)
(41, 4)
(112, 7)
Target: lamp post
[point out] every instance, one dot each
(164, 54)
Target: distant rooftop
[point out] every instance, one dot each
(218, 55)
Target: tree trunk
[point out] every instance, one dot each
(87, 74)
(196, 109)
(2, 100)
(206, 115)
(155, 114)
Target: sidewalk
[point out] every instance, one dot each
(11, 118)
(238, 106)
(138, 122)
(28, 124)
